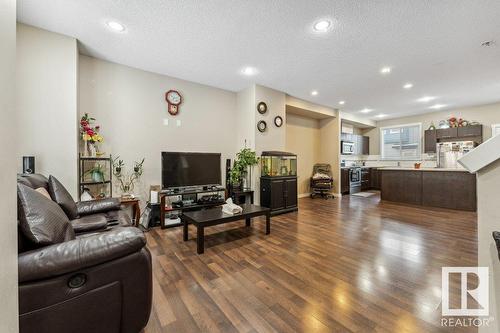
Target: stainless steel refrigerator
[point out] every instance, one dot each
(449, 152)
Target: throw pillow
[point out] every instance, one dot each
(59, 194)
(42, 221)
(43, 191)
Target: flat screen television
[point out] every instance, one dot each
(190, 169)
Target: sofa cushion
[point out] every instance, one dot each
(33, 180)
(43, 191)
(89, 223)
(59, 194)
(41, 220)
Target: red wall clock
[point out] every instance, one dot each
(173, 99)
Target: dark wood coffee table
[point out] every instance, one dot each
(209, 217)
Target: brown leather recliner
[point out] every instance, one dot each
(94, 282)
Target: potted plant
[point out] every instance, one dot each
(241, 173)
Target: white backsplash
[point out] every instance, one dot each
(427, 160)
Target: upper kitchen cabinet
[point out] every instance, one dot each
(470, 131)
(430, 141)
(447, 133)
(366, 145)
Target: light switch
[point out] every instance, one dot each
(165, 121)
(178, 122)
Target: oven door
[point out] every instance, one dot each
(355, 176)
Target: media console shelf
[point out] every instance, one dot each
(167, 197)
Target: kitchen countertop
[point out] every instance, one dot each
(421, 169)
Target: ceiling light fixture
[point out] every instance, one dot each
(385, 70)
(438, 106)
(426, 99)
(408, 85)
(322, 26)
(314, 92)
(342, 102)
(366, 110)
(116, 26)
(249, 71)
(381, 115)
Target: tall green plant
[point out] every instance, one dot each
(244, 158)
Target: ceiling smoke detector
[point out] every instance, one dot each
(487, 43)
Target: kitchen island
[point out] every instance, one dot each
(434, 187)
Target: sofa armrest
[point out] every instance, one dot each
(79, 253)
(97, 206)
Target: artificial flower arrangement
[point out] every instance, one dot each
(89, 133)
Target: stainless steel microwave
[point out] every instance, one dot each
(346, 148)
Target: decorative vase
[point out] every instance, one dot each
(92, 150)
(85, 148)
(97, 176)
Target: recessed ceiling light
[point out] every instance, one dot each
(366, 110)
(385, 70)
(438, 106)
(342, 102)
(426, 99)
(116, 26)
(314, 92)
(381, 115)
(408, 85)
(322, 26)
(249, 71)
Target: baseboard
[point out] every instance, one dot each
(303, 195)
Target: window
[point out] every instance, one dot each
(401, 142)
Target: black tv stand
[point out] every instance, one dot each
(167, 195)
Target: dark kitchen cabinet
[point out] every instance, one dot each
(460, 190)
(279, 194)
(470, 131)
(447, 133)
(365, 179)
(366, 145)
(430, 141)
(344, 180)
(402, 186)
(375, 178)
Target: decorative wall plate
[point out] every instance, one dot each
(278, 121)
(262, 107)
(261, 126)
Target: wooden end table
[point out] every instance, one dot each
(215, 216)
(136, 209)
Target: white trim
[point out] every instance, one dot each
(381, 142)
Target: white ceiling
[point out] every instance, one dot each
(435, 44)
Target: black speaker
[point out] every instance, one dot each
(228, 177)
(28, 164)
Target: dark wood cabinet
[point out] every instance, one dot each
(447, 133)
(365, 179)
(375, 178)
(344, 180)
(430, 141)
(470, 131)
(365, 145)
(279, 194)
(444, 189)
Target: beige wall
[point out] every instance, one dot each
(8, 227)
(485, 114)
(303, 138)
(273, 138)
(46, 102)
(330, 147)
(488, 221)
(130, 106)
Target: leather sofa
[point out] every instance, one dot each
(99, 279)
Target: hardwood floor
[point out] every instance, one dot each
(343, 265)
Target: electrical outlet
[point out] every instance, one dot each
(178, 122)
(165, 121)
